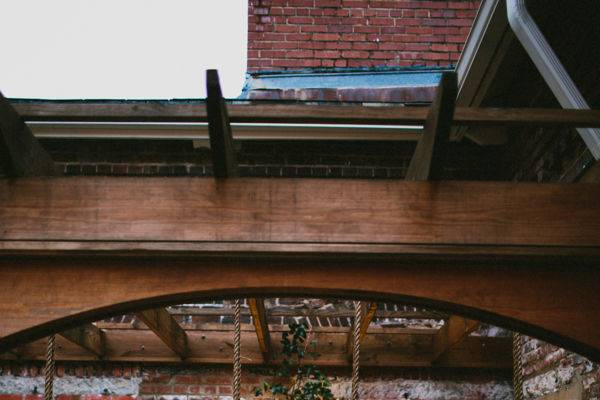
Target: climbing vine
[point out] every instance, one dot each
(305, 381)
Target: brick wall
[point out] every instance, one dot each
(549, 369)
(295, 34)
(307, 159)
(98, 382)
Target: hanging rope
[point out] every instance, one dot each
(517, 366)
(237, 338)
(49, 370)
(356, 349)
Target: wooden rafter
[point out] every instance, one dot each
(427, 161)
(20, 152)
(89, 337)
(219, 129)
(259, 319)
(381, 347)
(369, 310)
(167, 329)
(301, 113)
(456, 330)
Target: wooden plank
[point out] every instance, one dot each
(20, 152)
(89, 337)
(452, 333)
(404, 348)
(371, 309)
(427, 161)
(512, 299)
(259, 318)
(167, 329)
(195, 111)
(285, 215)
(219, 129)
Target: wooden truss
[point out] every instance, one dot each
(76, 250)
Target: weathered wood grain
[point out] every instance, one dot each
(189, 213)
(527, 296)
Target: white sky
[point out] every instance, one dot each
(120, 49)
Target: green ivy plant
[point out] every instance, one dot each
(305, 382)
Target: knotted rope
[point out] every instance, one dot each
(237, 364)
(356, 349)
(517, 366)
(49, 370)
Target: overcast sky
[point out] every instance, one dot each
(120, 49)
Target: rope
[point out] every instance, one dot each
(49, 370)
(237, 364)
(356, 349)
(517, 366)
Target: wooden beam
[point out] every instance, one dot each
(219, 129)
(20, 152)
(512, 299)
(160, 111)
(427, 161)
(287, 215)
(456, 330)
(371, 309)
(167, 329)
(259, 318)
(89, 337)
(380, 348)
(383, 241)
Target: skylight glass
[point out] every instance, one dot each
(121, 49)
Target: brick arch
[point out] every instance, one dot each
(64, 292)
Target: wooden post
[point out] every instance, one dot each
(427, 162)
(20, 152)
(219, 129)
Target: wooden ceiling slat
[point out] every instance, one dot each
(404, 348)
(89, 337)
(259, 318)
(167, 329)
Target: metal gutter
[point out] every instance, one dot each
(550, 67)
(241, 131)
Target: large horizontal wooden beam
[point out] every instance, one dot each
(388, 347)
(355, 215)
(289, 113)
(499, 293)
(434, 245)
